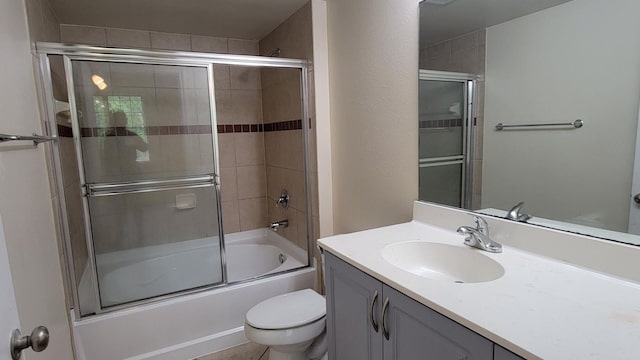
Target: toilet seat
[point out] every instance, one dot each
(301, 334)
(292, 310)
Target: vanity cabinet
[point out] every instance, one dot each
(500, 353)
(367, 319)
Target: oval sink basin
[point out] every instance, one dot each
(442, 262)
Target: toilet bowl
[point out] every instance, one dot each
(292, 325)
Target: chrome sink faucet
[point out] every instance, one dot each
(515, 214)
(478, 237)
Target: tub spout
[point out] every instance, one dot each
(279, 224)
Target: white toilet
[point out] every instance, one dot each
(292, 325)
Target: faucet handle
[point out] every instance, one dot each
(481, 224)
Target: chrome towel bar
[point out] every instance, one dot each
(576, 124)
(143, 186)
(37, 139)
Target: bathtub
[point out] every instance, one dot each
(190, 325)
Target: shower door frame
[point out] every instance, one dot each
(468, 82)
(152, 57)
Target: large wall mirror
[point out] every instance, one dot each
(533, 62)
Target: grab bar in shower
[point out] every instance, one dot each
(37, 139)
(142, 186)
(576, 124)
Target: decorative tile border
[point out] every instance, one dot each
(445, 123)
(65, 131)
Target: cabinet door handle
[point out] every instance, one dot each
(385, 307)
(373, 304)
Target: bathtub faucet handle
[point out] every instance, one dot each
(283, 199)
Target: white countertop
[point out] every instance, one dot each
(540, 308)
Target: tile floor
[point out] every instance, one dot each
(248, 351)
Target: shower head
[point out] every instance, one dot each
(275, 53)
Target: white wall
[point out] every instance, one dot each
(25, 204)
(373, 66)
(578, 60)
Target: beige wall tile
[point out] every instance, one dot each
(70, 173)
(227, 148)
(245, 78)
(80, 253)
(250, 149)
(282, 101)
(272, 148)
(246, 106)
(439, 56)
(176, 77)
(128, 38)
(133, 75)
(170, 107)
(221, 77)
(273, 76)
(230, 216)
(35, 20)
(251, 181)
(170, 41)
(228, 184)
(464, 53)
(294, 183)
(293, 36)
(203, 106)
(101, 159)
(209, 44)
(51, 23)
(224, 112)
(182, 154)
(73, 199)
(243, 47)
(275, 181)
(253, 213)
(79, 34)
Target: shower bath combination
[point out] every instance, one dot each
(166, 192)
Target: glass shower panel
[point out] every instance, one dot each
(140, 121)
(155, 243)
(441, 141)
(441, 114)
(441, 184)
(148, 156)
(260, 132)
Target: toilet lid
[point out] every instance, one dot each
(287, 311)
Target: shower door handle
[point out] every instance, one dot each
(636, 198)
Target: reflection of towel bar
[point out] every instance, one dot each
(576, 124)
(37, 139)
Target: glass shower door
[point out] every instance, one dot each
(443, 141)
(146, 143)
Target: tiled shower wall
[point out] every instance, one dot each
(464, 54)
(281, 101)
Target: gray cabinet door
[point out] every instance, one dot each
(501, 353)
(350, 293)
(417, 332)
